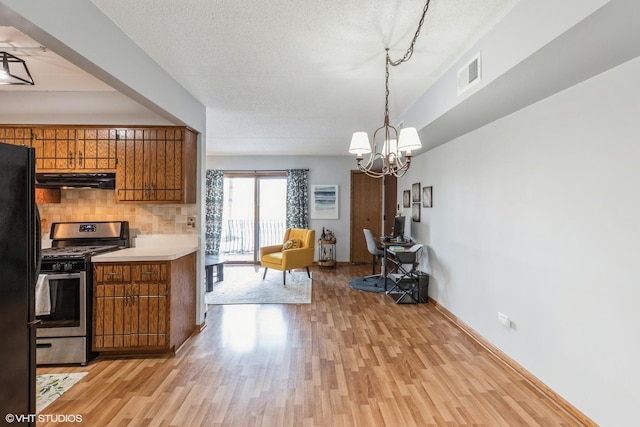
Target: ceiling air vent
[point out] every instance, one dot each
(470, 74)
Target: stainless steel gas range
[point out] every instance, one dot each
(64, 293)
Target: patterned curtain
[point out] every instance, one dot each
(213, 206)
(297, 198)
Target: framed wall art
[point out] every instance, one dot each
(415, 212)
(406, 199)
(427, 197)
(324, 202)
(415, 192)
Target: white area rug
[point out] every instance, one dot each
(244, 285)
(49, 387)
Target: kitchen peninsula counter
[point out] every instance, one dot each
(145, 254)
(154, 247)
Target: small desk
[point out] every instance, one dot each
(211, 261)
(385, 247)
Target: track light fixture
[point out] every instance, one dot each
(14, 71)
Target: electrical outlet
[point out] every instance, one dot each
(191, 222)
(504, 319)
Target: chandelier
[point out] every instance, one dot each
(390, 153)
(14, 71)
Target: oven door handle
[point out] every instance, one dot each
(54, 276)
(34, 322)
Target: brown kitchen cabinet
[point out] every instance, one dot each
(24, 136)
(75, 149)
(65, 148)
(16, 135)
(144, 306)
(156, 165)
(153, 164)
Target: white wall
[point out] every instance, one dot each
(322, 170)
(536, 216)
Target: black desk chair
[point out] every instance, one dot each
(406, 282)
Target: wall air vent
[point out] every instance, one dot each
(470, 74)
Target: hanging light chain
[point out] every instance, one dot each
(405, 58)
(386, 89)
(392, 162)
(409, 51)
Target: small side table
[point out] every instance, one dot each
(327, 253)
(211, 261)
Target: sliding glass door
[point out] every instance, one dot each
(254, 214)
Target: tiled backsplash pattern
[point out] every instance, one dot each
(100, 205)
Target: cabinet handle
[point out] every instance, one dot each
(80, 158)
(112, 276)
(70, 161)
(131, 297)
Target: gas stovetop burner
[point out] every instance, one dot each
(79, 241)
(76, 251)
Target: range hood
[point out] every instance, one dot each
(102, 180)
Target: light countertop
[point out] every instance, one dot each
(159, 247)
(145, 254)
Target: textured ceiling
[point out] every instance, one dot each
(296, 77)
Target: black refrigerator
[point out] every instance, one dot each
(19, 269)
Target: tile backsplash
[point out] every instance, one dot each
(100, 205)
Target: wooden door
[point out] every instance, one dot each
(151, 166)
(96, 149)
(366, 212)
(109, 305)
(56, 150)
(151, 327)
(130, 185)
(165, 174)
(390, 203)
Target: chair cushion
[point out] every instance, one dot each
(292, 244)
(272, 259)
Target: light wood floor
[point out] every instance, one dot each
(349, 358)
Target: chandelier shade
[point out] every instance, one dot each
(409, 140)
(390, 150)
(360, 144)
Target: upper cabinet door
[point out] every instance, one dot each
(62, 149)
(156, 165)
(16, 135)
(96, 149)
(153, 164)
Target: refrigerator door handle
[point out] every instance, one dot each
(38, 242)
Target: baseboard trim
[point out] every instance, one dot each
(554, 397)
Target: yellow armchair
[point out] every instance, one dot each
(288, 259)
